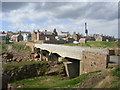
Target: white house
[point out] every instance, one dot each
(26, 36)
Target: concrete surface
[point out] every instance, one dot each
(69, 51)
(115, 60)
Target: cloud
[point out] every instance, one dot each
(36, 11)
(9, 6)
(24, 27)
(69, 16)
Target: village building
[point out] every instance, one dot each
(104, 38)
(10, 34)
(26, 35)
(63, 35)
(82, 40)
(76, 37)
(34, 36)
(69, 40)
(86, 39)
(44, 35)
(17, 37)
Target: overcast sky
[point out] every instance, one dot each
(101, 17)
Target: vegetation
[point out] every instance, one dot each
(16, 47)
(101, 44)
(0, 48)
(52, 81)
(31, 41)
(116, 81)
(8, 66)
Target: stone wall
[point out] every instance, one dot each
(93, 61)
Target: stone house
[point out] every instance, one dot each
(76, 37)
(44, 35)
(69, 40)
(34, 36)
(63, 35)
(83, 40)
(86, 39)
(104, 38)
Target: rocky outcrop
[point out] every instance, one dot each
(37, 69)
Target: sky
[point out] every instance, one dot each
(101, 17)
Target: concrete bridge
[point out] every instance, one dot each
(77, 60)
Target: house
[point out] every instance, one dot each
(69, 40)
(10, 33)
(104, 38)
(86, 39)
(34, 36)
(63, 35)
(26, 35)
(43, 35)
(17, 37)
(75, 36)
(82, 40)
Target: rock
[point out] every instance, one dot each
(5, 81)
(56, 69)
(36, 55)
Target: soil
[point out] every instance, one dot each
(102, 79)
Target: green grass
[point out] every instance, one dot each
(102, 44)
(8, 66)
(52, 81)
(116, 72)
(16, 47)
(0, 48)
(116, 82)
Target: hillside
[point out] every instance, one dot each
(15, 52)
(109, 78)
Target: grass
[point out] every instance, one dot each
(52, 81)
(8, 66)
(16, 47)
(116, 82)
(116, 72)
(101, 44)
(0, 48)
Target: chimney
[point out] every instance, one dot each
(86, 31)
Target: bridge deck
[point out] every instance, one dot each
(69, 51)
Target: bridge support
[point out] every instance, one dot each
(81, 68)
(72, 67)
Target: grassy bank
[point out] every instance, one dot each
(15, 47)
(8, 66)
(64, 82)
(116, 81)
(101, 44)
(52, 81)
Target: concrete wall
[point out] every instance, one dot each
(72, 68)
(93, 61)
